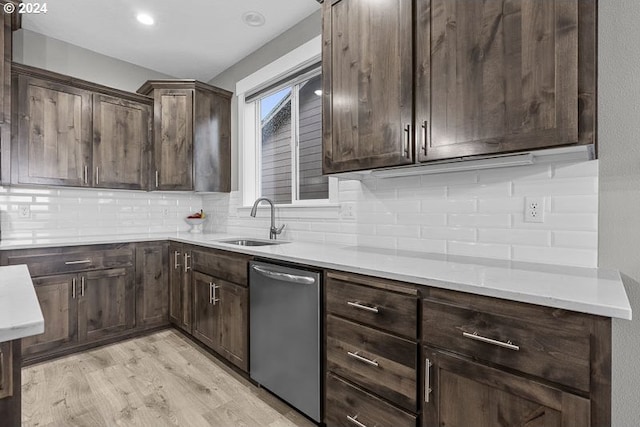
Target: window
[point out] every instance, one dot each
(289, 141)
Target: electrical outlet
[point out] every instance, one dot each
(348, 210)
(534, 209)
(24, 212)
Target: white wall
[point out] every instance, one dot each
(37, 50)
(619, 138)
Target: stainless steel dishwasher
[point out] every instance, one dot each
(284, 306)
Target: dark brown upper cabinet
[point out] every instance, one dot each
(121, 143)
(54, 134)
(9, 22)
(192, 136)
(367, 79)
(483, 78)
(71, 132)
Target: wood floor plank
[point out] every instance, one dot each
(158, 380)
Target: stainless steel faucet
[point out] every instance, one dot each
(274, 231)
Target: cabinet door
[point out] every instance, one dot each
(367, 79)
(121, 143)
(105, 303)
(152, 284)
(57, 297)
(495, 76)
(6, 370)
(173, 144)
(175, 284)
(54, 134)
(205, 321)
(461, 393)
(232, 316)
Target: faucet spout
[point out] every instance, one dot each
(273, 231)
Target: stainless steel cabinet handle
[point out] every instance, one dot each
(425, 141)
(360, 306)
(97, 174)
(427, 379)
(186, 262)
(212, 293)
(73, 288)
(82, 286)
(302, 280)
(362, 359)
(354, 420)
(407, 141)
(85, 174)
(157, 178)
(176, 254)
(475, 336)
(83, 261)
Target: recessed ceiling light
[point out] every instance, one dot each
(253, 19)
(145, 19)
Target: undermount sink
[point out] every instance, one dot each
(250, 242)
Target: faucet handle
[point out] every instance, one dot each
(278, 230)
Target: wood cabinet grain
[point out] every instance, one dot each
(460, 392)
(205, 321)
(121, 143)
(57, 298)
(408, 82)
(8, 22)
(180, 287)
(192, 135)
(367, 78)
(10, 384)
(152, 284)
(6, 370)
(233, 326)
(53, 134)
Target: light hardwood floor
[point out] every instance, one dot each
(158, 380)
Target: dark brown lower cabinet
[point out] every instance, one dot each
(10, 384)
(152, 284)
(57, 299)
(180, 298)
(349, 406)
(106, 303)
(220, 317)
(81, 308)
(460, 393)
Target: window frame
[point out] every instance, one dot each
(249, 132)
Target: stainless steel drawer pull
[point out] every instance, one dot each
(427, 380)
(157, 179)
(73, 288)
(360, 306)
(84, 261)
(176, 265)
(82, 286)
(186, 262)
(475, 336)
(85, 174)
(362, 359)
(354, 420)
(212, 293)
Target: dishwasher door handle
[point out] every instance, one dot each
(301, 280)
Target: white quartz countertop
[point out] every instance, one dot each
(20, 314)
(587, 290)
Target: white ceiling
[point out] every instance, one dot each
(190, 39)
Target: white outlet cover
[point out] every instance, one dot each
(534, 209)
(24, 212)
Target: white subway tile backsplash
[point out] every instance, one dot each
(474, 213)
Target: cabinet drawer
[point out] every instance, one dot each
(68, 260)
(381, 308)
(550, 343)
(225, 265)
(348, 405)
(382, 363)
